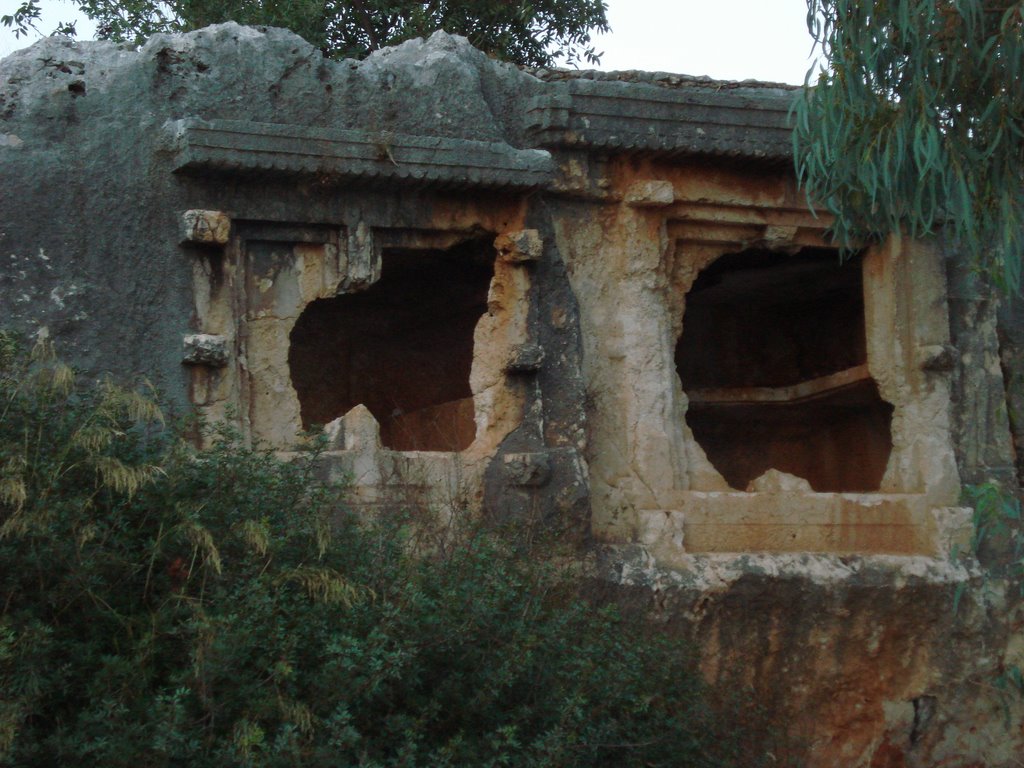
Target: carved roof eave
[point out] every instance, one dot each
(374, 158)
(609, 117)
(747, 123)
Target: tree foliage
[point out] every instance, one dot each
(529, 32)
(161, 606)
(917, 124)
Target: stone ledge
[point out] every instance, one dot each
(267, 149)
(699, 522)
(636, 565)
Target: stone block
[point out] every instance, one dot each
(525, 358)
(205, 349)
(205, 227)
(527, 469)
(650, 194)
(794, 521)
(363, 262)
(938, 358)
(774, 481)
(360, 430)
(334, 431)
(609, 115)
(519, 247)
(954, 531)
(662, 529)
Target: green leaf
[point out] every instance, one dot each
(919, 121)
(958, 595)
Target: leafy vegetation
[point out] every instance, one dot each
(997, 517)
(533, 33)
(164, 606)
(918, 123)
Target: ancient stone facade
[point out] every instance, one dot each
(593, 302)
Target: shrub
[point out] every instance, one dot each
(161, 606)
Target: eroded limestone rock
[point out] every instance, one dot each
(774, 481)
(206, 349)
(482, 280)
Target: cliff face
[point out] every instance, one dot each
(590, 302)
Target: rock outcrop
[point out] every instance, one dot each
(594, 303)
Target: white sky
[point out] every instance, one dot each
(725, 39)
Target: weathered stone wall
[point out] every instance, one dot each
(1010, 331)
(247, 225)
(92, 227)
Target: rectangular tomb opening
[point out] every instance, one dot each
(773, 361)
(403, 347)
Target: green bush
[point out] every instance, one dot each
(161, 606)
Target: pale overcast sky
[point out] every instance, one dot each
(727, 39)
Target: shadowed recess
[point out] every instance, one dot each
(403, 348)
(773, 359)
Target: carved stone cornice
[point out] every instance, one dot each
(737, 121)
(376, 158)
